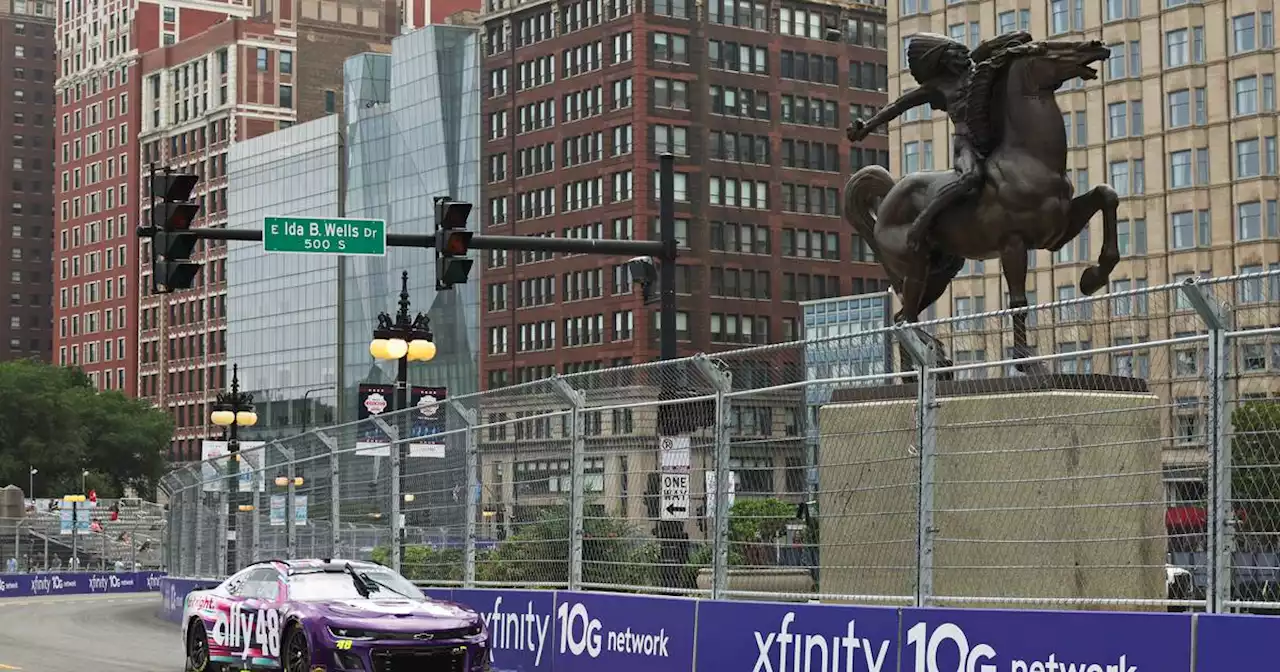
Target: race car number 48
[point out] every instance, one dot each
(241, 629)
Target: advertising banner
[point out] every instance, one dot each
(174, 592)
(277, 510)
(600, 631)
(78, 583)
(773, 637)
(584, 632)
(75, 514)
(522, 629)
(299, 510)
(940, 640)
(1234, 642)
(442, 594)
(251, 457)
(429, 420)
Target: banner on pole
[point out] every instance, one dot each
(427, 422)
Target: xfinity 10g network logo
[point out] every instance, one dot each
(579, 634)
(926, 645)
(787, 651)
(516, 630)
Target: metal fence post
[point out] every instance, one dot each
(222, 545)
(258, 485)
(335, 494)
(923, 353)
(393, 446)
(470, 509)
(198, 529)
(722, 381)
(576, 399)
(1221, 542)
(291, 505)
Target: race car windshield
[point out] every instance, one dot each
(338, 586)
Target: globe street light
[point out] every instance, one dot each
(404, 340)
(232, 410)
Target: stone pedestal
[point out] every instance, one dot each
(1044, 488)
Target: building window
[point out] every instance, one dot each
(1176, 48)
(1249, 221)
(330, 101)
(1247, 163)
(262, 59)
(286, 96)
(1243, 32)
(286, 62)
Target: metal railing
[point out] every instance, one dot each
(1142, 470)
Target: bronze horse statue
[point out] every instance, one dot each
(1024, 204)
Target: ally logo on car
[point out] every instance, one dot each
(245, 634)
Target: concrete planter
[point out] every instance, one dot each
(795, 580)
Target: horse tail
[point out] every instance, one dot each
(862, 196)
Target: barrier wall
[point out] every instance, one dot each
(78, 583)
(564, 631)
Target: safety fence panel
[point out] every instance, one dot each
(1126, 456)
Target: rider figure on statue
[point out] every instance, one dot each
(944, 70)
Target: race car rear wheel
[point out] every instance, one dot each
(198, 649)
(297, 652)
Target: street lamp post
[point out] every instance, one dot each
(75, 501)
(84, 481)
(404, 339)
(31, 474)
(232, 410)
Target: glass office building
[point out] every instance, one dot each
(413, 128)
(281, 309)
(300, 324)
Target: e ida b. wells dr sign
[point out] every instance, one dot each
(305, 235)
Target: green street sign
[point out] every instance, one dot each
(307, 235)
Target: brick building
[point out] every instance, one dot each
(28, 68)
(98, 88)
(238, 79)
(581, 97)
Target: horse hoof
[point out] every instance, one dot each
(1092, 280)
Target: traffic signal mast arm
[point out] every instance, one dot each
(479, 242)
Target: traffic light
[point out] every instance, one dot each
(172, 214)
(453, 241)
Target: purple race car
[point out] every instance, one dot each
(328, 615)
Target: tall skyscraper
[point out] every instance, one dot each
(29, 67)
(581, 98)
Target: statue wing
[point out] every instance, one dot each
(924, 54)
(991, 58)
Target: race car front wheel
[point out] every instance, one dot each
(198, 648)
(297, 652)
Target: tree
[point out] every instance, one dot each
(614, 552)
(1255, 474)
(754, 524)
(52, 418)
(424, 563)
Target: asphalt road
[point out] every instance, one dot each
(103, 633)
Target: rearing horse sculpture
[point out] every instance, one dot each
(1025, 204)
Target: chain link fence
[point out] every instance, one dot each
(1133, 461)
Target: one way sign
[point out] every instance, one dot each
(675, 496)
